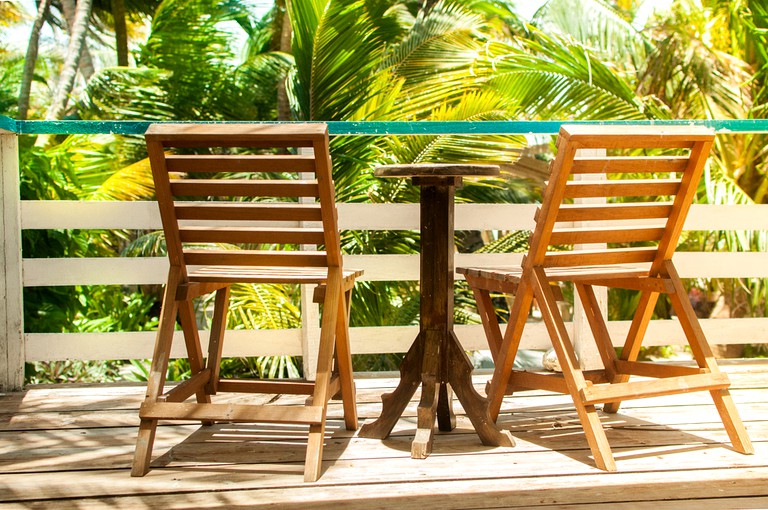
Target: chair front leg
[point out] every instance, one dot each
(512, 336)
(574, 378)
(332, 305)
(157, 372)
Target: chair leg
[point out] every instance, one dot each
(332, 305)
(599, 328)
(216, 340)
(702, 352)
(158, 369)
(194, 349)
(143, 453)
(732, 421)
(596, 438)
(344, 363)
(512, 336)
(637, 329)
(488, 316)
(314, 461)
(590, 421)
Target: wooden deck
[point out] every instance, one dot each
(70, 447)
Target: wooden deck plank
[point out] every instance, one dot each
(669, 451)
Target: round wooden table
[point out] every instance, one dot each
(436, 360)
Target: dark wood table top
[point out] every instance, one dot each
(436, 170)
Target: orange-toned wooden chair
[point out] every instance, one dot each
(270, 220)
(656, 169)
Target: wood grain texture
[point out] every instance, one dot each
(670, 453)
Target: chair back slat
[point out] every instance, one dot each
(212, 163)
(268, 258)
(650, 177)
(249, 235)
(243, 188)
(240, 211)
(638, 164)
(623, 211)
(599, 257)
(606, 235)
(623, 188)
(245, 194)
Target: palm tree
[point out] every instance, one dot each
(77, 35)
(31, 59)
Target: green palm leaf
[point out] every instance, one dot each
(549, 77)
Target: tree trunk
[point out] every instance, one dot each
(72, 61)
(121, 32)
(283, 105)
(31, 59)
(86, 62)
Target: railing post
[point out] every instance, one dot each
(583, 340)
(11, 305)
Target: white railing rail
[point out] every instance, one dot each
(16, 347)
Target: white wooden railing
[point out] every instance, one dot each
(16, 347)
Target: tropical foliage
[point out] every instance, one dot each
(389, 60)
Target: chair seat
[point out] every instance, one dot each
(261, 274)
(513, 274)
(505, 279)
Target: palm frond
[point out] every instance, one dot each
(597, 25)
(133, 182)
(549, 77)
(127, 94)
(150, 244)
(510, 242)
(263, 306)
(192, 40)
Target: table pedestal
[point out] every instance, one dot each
(436, 360)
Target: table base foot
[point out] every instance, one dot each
(475, 405)
(421, 446)
(393, 404)
(436, 401)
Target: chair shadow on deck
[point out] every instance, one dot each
(266, 449)
(557, 428)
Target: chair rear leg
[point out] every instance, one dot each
(216, 339)
(194, 349)
(732, 421)
(512, 336)
(344, 363)
(704, 356)
(488, 316)
(637, 329)
(313, 464)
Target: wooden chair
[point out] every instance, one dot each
(633, 243)
(278, 214)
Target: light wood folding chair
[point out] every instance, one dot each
(270, 220)
(635, 240)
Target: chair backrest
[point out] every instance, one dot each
(245, 185)
(654, 170)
